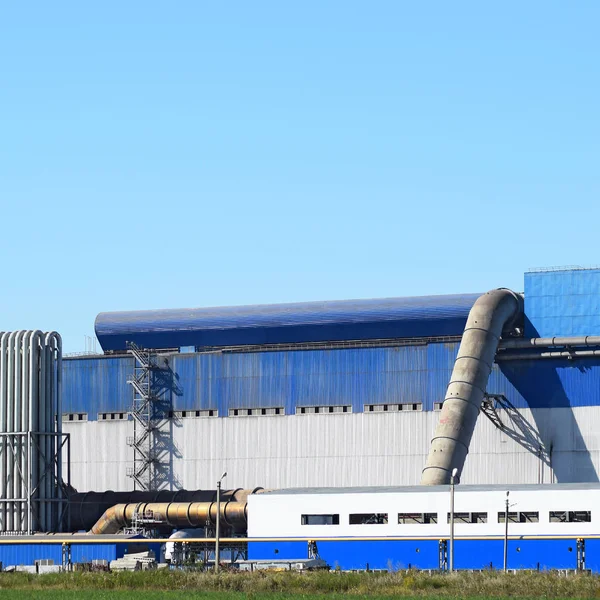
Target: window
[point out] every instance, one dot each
(322, 410)
(406, 406)
(465, 517)
(369, 519)
(571, 516)
(256, 412)
(320, 519)
(417, 518)
(437, 405)
(529, 517)
(519, 517)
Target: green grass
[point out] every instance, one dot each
(167, 595)
(177, 585)
(144, 595)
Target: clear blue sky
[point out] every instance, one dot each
(172, 154)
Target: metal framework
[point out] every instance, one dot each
(443, 555)
(146, 418)
(35, 511)
(143, 523)
(581, 554)
(191, 552)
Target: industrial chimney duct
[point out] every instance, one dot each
(492, 314)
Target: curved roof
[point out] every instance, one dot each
(300, 322)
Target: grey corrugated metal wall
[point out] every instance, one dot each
(342, 449)
(558, 402)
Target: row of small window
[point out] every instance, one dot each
(279, 410)
(581, 516)
(322, 410)
(120, 416)
(191, 414)
(406, 406)
(257, 412)
(75, 417)
(82, 417)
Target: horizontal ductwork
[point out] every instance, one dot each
(556, 354)
(578, 341)
(109, 512)
(172, 514)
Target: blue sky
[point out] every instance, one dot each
(158, 155)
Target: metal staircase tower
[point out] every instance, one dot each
(145, 416)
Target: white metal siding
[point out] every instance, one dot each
(279, 515)
(337, 450)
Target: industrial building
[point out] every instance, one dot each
(342, 406)
(335, 393)
(551, 526)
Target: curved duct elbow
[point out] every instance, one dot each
(113, 519)
(492, 313)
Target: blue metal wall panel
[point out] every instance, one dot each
(27, 554)
(548, 383)
(562, 303)
(440, 362)
(542, 554)
(392, 555)
(95, 385)
(592, 555)
(307, 378)
(196, 381)
(478, 554)
(83, 553)
(277, 550)
(327, 377)
(426, 316)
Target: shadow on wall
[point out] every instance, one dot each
(165, 384)
(558, 434)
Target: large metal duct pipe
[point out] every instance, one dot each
(491, 314)
(87, 508)
(173, 514)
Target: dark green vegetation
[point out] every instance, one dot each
(176, 585)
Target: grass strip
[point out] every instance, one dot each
(274, 585)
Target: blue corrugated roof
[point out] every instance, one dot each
(426, 316)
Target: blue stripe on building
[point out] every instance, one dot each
(355, 377)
